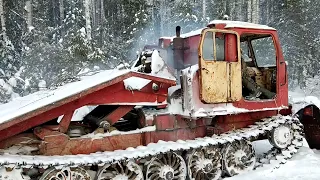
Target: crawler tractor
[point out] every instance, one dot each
(190, 107)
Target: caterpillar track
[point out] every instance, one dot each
(148, 162)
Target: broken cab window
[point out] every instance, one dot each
(264, 51)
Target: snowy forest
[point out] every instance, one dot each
(47, 43)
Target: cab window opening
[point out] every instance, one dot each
(258, 56)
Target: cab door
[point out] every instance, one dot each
(219, 66)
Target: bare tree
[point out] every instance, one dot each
(28, 9)
(87, 6)
(61, 9)
(3, 23)
(204, 10)
(249, 6)
(255, 11)
(102, 21)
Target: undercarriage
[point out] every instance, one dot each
(210, 157)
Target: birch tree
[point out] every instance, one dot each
(3, 25)
(28, 9)
(61, 11)
(204, 10)
(88, 6)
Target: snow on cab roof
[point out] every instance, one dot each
(229, 24)
(189, 34)
(240, 24)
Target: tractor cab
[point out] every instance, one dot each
(240, 59)
(237, 62)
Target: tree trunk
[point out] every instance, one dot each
(204, 10)
(87, 6)
(94, 10)
(29, 13)
(257, 15)
(249, 10)
(102, 20)
(61, 9)
(3, 25)
(162, 17)
(255, 11)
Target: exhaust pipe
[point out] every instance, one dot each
(178, 53)
(178, 31)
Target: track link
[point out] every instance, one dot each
(143, 154)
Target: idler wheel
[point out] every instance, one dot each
(281, 136)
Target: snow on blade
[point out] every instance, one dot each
(135, 83)
(80, 113)
(23, 105)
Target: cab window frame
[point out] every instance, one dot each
(213, 32)
(253, 53)
(211, 45)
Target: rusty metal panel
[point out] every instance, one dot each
(65, 122)
(214, 81)
(62, 145)
(172, 122)
(223, 124)
(21, 139)
(235, 88)
(177, 134)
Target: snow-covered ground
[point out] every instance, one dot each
(303, 165)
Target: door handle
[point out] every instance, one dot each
(282, 63)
